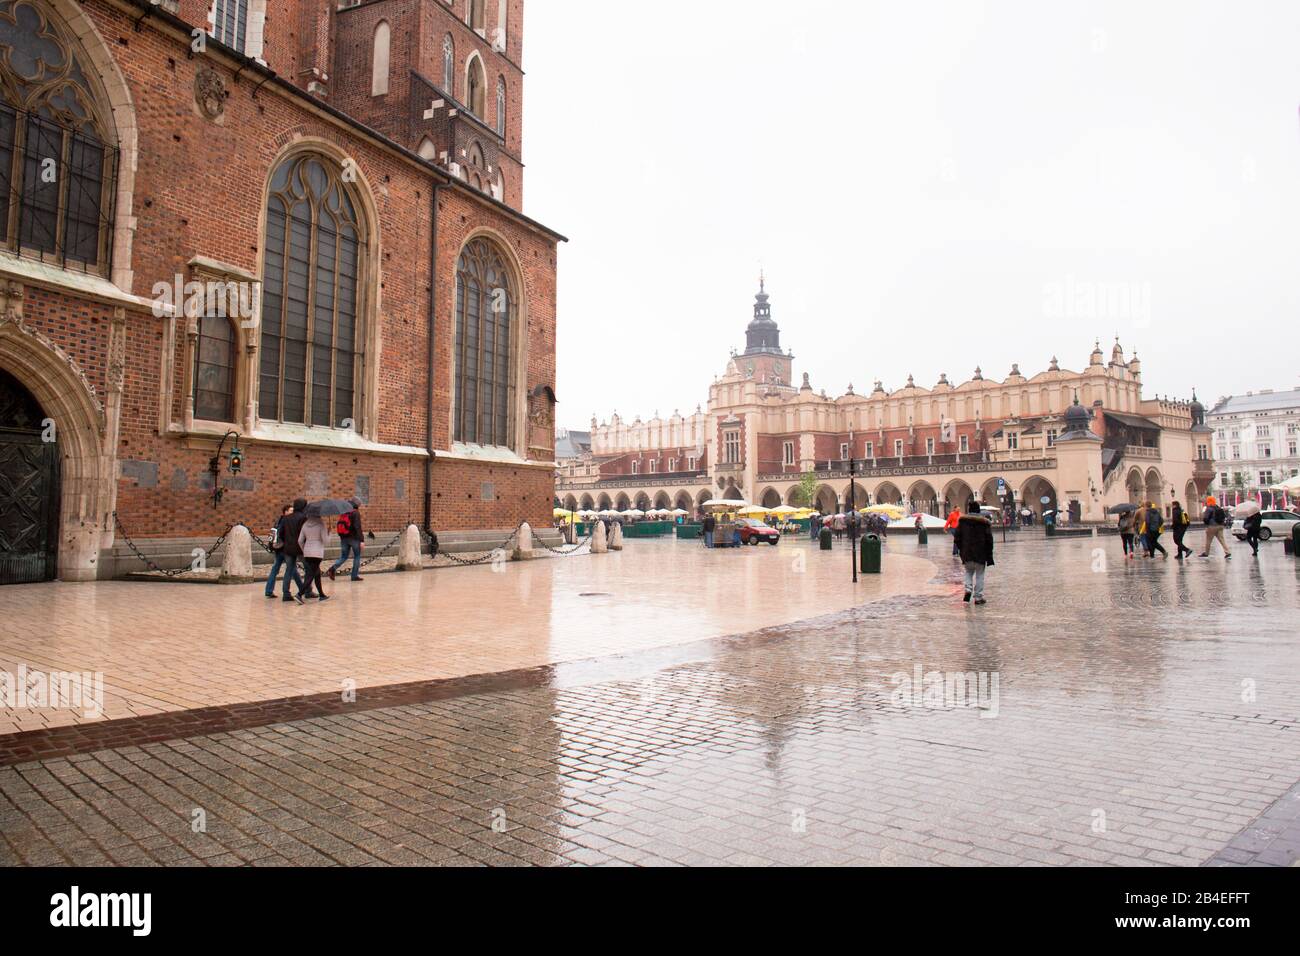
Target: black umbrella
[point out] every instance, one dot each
(1113, 509)
(328, 506)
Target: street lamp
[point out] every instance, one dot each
(214, 465)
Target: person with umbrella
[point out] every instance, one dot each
(313, 538)
(1254, 521)
(1126, 525)
(289, 530)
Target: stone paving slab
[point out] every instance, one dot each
(163, 649)
(1144, 714)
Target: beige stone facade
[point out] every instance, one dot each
(930, 448)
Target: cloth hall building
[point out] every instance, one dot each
(293, 227)
(1081, 441)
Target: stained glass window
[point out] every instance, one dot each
(56, 169)
(485, 315)
(311, 336)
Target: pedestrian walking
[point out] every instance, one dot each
(974, 538)
(292, 550)
(1215, 518)
(350, 539)
(710, 525)
(312, 540)
(1252, 524)
(951, 527)
(814, 526)
(277, 549)
(839, 524)
(1181, 521)
(1155, 523)
(1127, 523)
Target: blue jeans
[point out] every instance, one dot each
(708, 539)
(355, 548)
(276, 565)
(291, 575)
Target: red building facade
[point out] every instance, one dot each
(272, 226)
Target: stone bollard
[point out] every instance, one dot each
(237, 559)
(570, 532)
(524, 543)
(616, 538)
(409, 557)
(598, 543)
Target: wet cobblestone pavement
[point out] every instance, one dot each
(1142, 713)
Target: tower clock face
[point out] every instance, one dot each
(749, 369)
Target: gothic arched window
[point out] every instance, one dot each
(501, 106)
(380, 59)
(57, 165)
(474, 82)
(448, 65)
(486, 306)
(312, 334)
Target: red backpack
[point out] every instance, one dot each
(344, 527)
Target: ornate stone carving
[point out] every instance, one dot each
(11, 302)
(210, 93)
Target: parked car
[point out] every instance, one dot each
(1277, 523)
(752, 531)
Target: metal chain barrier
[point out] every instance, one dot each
(565, 551)
(425, 539)
(382, 551)
(171, 572)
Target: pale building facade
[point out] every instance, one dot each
(1078, 440)
(1255, 439)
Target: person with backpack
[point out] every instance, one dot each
(349, 531)
(1155, 523)
(1181, 520)
(277, 549)
(974, 536)
(290, 529)
(1215, 520)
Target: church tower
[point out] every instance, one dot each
(763, 359)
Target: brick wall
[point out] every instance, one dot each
(199, 190)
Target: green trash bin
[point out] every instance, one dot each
(825, 538)
(871, 554)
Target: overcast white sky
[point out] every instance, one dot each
(929, 186)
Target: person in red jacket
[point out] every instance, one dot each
(951, 527)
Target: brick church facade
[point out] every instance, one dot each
(292, 227)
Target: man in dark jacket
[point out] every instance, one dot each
(1181, 520)
(277, 549)
(974, 540)
(351, 542)
(292, 550)
(1252, 525)
(710, 525)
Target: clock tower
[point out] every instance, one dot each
(763, 359)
